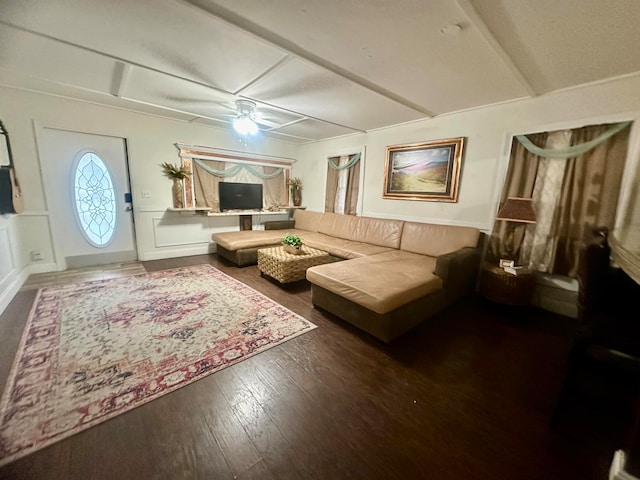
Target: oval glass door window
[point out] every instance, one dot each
(95, 200)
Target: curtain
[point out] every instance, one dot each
(353, 187)
(590, 192)
(275, 193)
(521, 177)
(540, 241)
(205, 185)
(343, 184)
(341, 193)
(570, 197)
(331, 189)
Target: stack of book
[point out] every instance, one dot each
(517, 270)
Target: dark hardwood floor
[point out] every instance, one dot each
(467, 395)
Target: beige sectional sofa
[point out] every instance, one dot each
(396, 273)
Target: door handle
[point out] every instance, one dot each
(128, 208)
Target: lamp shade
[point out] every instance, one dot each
(516, 209)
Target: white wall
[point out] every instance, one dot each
(150, 141)
(488, 134)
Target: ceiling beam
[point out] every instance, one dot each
(122, 74)
(288, 46)
(222, 93)
(121, 77)
(482, 28)
(276, 66)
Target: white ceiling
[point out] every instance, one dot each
(316, 69)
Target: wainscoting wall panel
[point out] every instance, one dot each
(171, 230)
(12, 274)
(179, 234)
(7, 265)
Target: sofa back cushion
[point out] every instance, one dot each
(307, 220)
(434, 240)
(377, 231)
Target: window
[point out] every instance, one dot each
(573, 178)
(95, 199)
(342, 189)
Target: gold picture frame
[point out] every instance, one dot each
(428, 171)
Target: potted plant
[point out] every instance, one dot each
(292, 243)
(177, 174)
(295, 184)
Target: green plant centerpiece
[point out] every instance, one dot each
(292, 243)
(295, 185)
(177, 174)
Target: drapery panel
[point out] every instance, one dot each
(205, 185)
(590, 193)
(331, 190)
(275, 191)
(570, 196)
(352, 190)
(519, 182)
(540, 241)
(343, 184)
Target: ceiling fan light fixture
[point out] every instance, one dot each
(244, 125)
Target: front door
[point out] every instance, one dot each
(86, 181)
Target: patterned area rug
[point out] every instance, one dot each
(94, 350)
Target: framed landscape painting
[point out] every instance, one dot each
(428, 171)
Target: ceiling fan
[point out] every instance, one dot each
(246, 120)
(244, 123)
(242, 112)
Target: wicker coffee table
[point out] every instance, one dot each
(287, 267)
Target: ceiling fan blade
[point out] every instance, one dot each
(267, 123)
(200, 102)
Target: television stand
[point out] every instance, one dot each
(246, 222)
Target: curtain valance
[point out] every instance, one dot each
(236, 169)
(574, 150)
(352, 161)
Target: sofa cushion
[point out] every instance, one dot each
(434, 240)
(307, 220)
(381, 282)
(251, 238)
(376, 231)
(340, 247)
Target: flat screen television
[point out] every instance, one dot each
(240, 196)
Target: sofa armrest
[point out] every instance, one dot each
(459, 269)
(279, 224)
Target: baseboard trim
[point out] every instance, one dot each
(202, 249)
(12, 289)
(34, 268)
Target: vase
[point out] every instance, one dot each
(178, 193)
(292, 249)
(297, 197)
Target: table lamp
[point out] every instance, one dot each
(515, 210)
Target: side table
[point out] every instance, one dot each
(502, 287)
